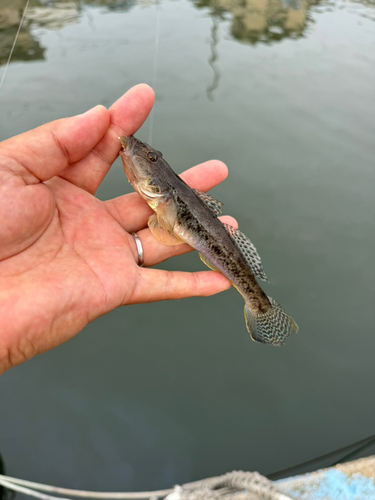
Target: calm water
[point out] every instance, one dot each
(284, 93)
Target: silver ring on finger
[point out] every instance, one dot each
(139, 249)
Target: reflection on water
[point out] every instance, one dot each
(55, 15)
(27, 47)
(213, 58)
(254, 21)
(262, 20)
(118, 5)
(48, 14)
(272, 20)
(251, 21)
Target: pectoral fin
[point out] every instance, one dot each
(162, 234)
(166, 212)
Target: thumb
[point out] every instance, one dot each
(47, 150)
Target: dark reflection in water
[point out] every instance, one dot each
(273, 20)
(252, 21)
(49, 14)
(213, 58)
(114, 5)
(27, 47)
(262, 20)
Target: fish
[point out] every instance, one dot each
(186, 215)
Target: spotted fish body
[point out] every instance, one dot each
(186, 215)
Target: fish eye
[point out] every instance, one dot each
(152, 156)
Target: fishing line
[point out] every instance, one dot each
(155, 67)
(14, 44)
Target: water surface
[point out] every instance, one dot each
(283, 92)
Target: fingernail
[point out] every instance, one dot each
(98, 106)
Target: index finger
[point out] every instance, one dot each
(126, 116)
(82, 148)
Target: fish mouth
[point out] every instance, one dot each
(127, 144)
(129, 157)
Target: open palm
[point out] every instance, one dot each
(67, 257)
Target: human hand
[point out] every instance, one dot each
(66, 257)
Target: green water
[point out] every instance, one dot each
(153, 395)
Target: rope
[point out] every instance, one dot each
(252, 484)
(214, 488)
(27, 491)
(14, 483)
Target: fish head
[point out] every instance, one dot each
(139, 159)
(143, 167)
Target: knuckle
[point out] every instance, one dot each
(61, 146)
(169, 283)
(196, 284)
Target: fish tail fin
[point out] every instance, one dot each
(271, 327)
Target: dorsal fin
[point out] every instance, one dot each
(211, 203)
(248, 250)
